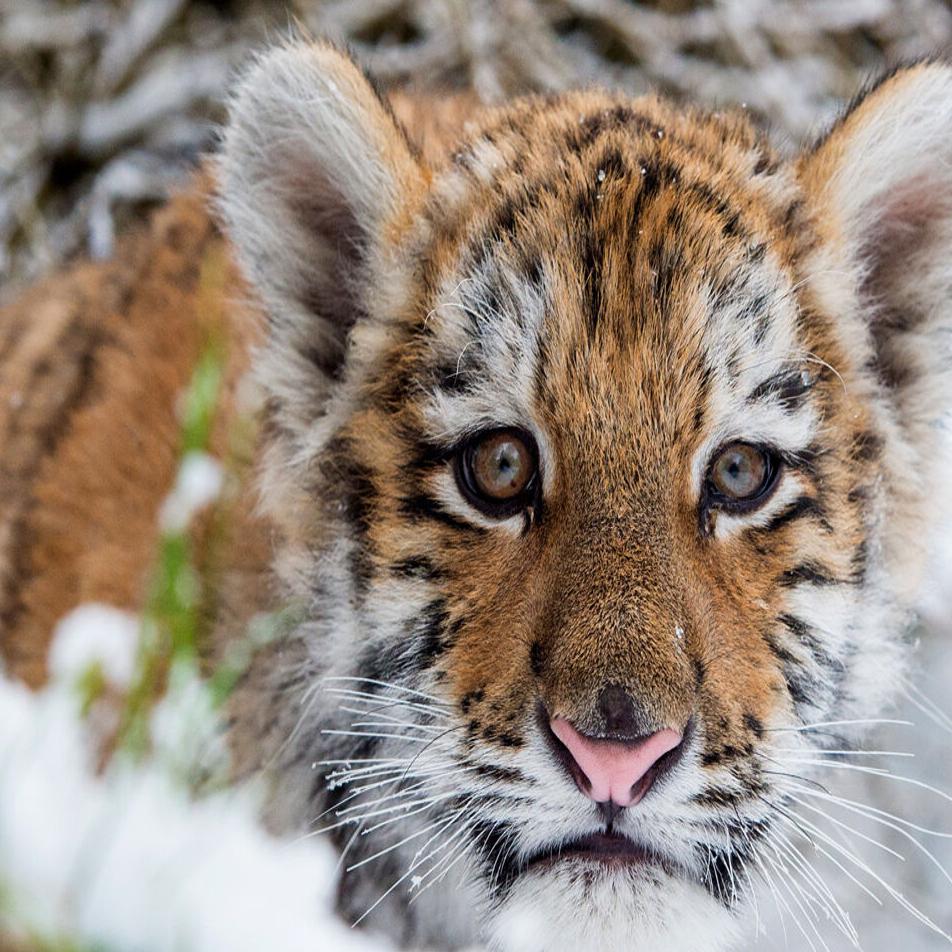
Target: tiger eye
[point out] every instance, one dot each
(496, 471)
(502, 466)
(740, 472)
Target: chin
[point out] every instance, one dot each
(580, 905)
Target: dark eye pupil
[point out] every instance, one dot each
(740, 472)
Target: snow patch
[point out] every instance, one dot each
(198, 483)
(95, 634)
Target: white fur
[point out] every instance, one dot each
(887, 182)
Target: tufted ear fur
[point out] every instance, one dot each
(880, 188)
(314, 174)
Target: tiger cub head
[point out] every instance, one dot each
(602, 452)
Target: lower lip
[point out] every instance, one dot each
(599, 849)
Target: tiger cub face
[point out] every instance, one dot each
(602, 452)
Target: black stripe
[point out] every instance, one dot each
(428, 634)
(420, 506)
(866, 446)
(811, 572)
(800, 508)
(417, 566)
(807, 636)
(789, 387)
(754, 725)
(500, 774)
(495, 846)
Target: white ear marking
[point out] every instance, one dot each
(313, 170)
(880, 188)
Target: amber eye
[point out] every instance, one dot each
(741, 476)
(496, 471)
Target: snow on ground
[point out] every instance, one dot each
(128, 858)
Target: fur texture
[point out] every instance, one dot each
(636, 285)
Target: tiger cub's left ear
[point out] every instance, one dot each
(879, 189)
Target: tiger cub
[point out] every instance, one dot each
(600, 450)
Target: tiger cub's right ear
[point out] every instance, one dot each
(314, 170)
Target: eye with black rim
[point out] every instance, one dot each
(497, 471)
(741, 477)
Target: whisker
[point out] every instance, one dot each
(402, 878)
(849, 829)
(773, 895)
(841, 800)
(796, 822)
(361, 760)
(446, 862)
(858, 722)
(389, 849)
(783, 901)
(394, 722)
(387, 684)
(843, 753)
(423, 806)
(918, 698)
(852, 858)
(375, 701)
(876, 772)
(375, 735)
(898, 829)
(830, 903)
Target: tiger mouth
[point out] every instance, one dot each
(608, 850)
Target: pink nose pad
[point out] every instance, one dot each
(614, 768)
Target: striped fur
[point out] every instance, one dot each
(636, 285)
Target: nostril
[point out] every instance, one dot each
(605, 770)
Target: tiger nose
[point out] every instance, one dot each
(612, 770)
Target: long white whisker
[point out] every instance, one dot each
(797, 822)
(386, 684)
(404, 877)
(428, 781)
(376, 702)
(874, 772)
(335, 732)
(893, 826)
(917, 697)
(842, 753)
(845, 826)
(422, 807)
(867, 810)
(773, 894)
(831, 904)
(852, 858)
(412, 836)
(852, 723)
(780, 898)
(395, 722)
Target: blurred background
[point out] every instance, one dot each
(106, 105)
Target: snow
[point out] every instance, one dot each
(127, 858)
(198, 483)
(95, 634)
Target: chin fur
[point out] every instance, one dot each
(574, 909)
